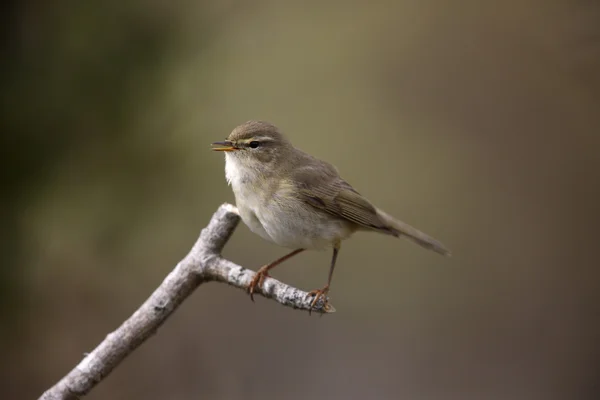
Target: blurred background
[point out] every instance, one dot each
(479, 120)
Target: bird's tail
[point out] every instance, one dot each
(399, 228)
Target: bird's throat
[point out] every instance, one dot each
(239, 172)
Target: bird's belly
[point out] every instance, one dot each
(294, 225)
(301, 227)
(251, 220)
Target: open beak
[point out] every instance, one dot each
(224, 146)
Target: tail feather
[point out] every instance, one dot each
(399, 228)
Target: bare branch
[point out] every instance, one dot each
(202, 264)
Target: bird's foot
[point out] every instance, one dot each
(318, 293)
(257, 281)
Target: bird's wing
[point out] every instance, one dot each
(322, 188)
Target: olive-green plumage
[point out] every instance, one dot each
(295, 200)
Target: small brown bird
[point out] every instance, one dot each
(297, 201)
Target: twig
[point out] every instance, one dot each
(202, 264)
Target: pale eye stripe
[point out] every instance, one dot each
(262, 138)
(257, 139)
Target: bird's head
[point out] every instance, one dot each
(255, 144)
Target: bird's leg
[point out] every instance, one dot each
(263, 272)
(318, 293)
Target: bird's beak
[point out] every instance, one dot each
(224, 146)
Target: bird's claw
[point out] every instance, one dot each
(257, 282)
(318, 293)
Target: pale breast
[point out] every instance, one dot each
(277, 215)
(246, 196)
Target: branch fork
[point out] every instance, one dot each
(202, 264)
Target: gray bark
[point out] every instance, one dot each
(202, 264)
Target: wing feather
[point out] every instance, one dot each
(322, 188)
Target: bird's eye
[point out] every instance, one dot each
(254, 144)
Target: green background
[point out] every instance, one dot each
(477, 122)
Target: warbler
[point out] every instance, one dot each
(297, 201)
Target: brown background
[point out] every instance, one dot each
(478, 122)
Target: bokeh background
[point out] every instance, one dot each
(478, 122)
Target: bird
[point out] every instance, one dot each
(297, 201)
